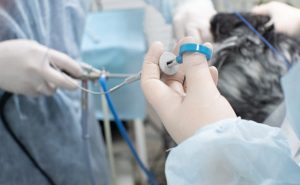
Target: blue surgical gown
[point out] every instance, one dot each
(49, 127)
(233, 152)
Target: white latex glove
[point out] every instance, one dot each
(286, 18)
(25, 69)
(184, 106)
(192, 18)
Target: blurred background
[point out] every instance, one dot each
(154, 23)
(140, 28)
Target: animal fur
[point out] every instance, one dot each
(249, 73)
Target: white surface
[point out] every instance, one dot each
(140, 143)
(108, 139)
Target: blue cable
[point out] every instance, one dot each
(275, 51)
(123, 132)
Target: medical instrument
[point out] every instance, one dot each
(123, 132)
(130, 79)
(169, 62)
(93, 74)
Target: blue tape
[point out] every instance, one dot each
(192, 48)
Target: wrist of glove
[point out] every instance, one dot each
(26, 68)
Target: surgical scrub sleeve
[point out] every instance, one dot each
(49, 127)
(236, 151)
(233, 152)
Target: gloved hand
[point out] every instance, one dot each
(25, 69)
(285, 17)
(192, 18)
(190, 99)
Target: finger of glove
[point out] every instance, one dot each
(199, 80)
(176, 81)
(154, 89)
(264, 9)
(193, 31)
(60, 79)
(214, 74)
(65, 63)
(45, 89)
(178, 26)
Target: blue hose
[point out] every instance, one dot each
(124, 134)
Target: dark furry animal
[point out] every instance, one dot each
(249, 73)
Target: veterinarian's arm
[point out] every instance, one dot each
(286, 18)
(215, 146)
(235, 152)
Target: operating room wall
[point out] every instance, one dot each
(244, 5)
(220, 4)
(116, 4)
(155, 27)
